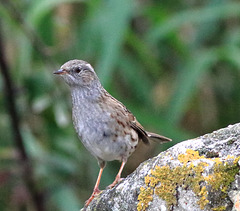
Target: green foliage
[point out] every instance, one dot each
(174, 65)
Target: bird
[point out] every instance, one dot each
(107, 129)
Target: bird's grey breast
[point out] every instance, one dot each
(99, 129)
(88, 117)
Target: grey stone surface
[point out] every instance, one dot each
(202, 173)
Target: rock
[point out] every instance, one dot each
(197, 174)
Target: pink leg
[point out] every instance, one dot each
(118, 177)
(96, 189)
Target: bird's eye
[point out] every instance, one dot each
(78, 70)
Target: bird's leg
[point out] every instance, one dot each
(118, 177)
(96, 189)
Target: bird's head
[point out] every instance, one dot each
(77, 73)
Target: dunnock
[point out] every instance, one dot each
(104, 125)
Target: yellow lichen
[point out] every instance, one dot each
(235, 161)
(203, 201)
(223, 175)
(164, 181)
(230, 157)
(189, 156)
(144, 198)
(221, 208)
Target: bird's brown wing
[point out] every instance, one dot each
(140, 131)
(130, 120)
(158, 138)
(145, 135)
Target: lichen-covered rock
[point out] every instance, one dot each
(197, 174)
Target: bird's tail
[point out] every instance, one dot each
(158, 138)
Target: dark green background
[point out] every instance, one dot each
(174, 64)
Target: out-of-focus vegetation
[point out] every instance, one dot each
(174, 64)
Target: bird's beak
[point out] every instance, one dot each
(60, 72)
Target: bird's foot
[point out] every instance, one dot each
(116, 181)
(95, 192)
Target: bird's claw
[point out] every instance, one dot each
(95, 192)
(115, 182)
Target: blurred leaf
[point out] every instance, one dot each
(226, 10)
(24, 62)
(145, 54)
(46, 161)
(112, 27)
(132, 72)
(41, 103)
(61, 114)
(187, 79)
(232, 53)
(39, 9)
(33, 148)
(65, 199)
(232, 37)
